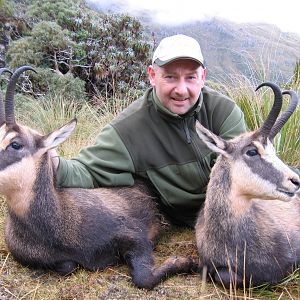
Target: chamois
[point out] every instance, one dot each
(62, 228)
(248, 231)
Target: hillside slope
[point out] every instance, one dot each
(255, 50)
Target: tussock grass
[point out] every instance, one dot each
(17, 282)
(287, 141)
(256, 105)
(46, 115)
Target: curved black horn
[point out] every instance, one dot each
(9, 98)
(2, 114)
(271, 119)
(285, 115)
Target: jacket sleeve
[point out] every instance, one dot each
(233, 125)
(106, 163)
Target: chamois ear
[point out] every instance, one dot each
(58, 136)
(212, 141)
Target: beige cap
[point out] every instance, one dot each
(176, 47)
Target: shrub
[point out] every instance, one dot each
(47, 83)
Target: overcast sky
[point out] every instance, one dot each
(286, 17)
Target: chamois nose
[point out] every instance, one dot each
(295, 182)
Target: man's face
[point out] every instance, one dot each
(178, 84)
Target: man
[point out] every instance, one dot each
(155, 136)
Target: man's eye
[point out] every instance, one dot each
(16, 145)
(252, 152)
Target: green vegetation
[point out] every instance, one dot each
(105, 55)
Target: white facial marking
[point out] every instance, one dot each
(5, 140)
(268, 153)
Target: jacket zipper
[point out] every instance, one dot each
(187, 131)
(196, 150)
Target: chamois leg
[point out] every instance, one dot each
(145, 275)
(174, 265)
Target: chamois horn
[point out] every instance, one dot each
(271, 119)
(9, 97)
(283, 118)
(2, 114)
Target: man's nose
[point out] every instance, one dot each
(181, 87)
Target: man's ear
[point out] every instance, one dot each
(151, 74)
(203, 74)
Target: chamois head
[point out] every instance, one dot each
(255, 170)
(21, 148)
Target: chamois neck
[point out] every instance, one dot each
(43, 213)
(222, 195)
(35, 183)
(44, 183)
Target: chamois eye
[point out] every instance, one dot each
(252, 152)
(16, 145)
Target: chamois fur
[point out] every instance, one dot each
(63, 228)
(248, 232)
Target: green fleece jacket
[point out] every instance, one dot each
(148, 140)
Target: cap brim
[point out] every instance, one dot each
(161, 63)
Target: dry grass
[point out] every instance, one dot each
(17, 282)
